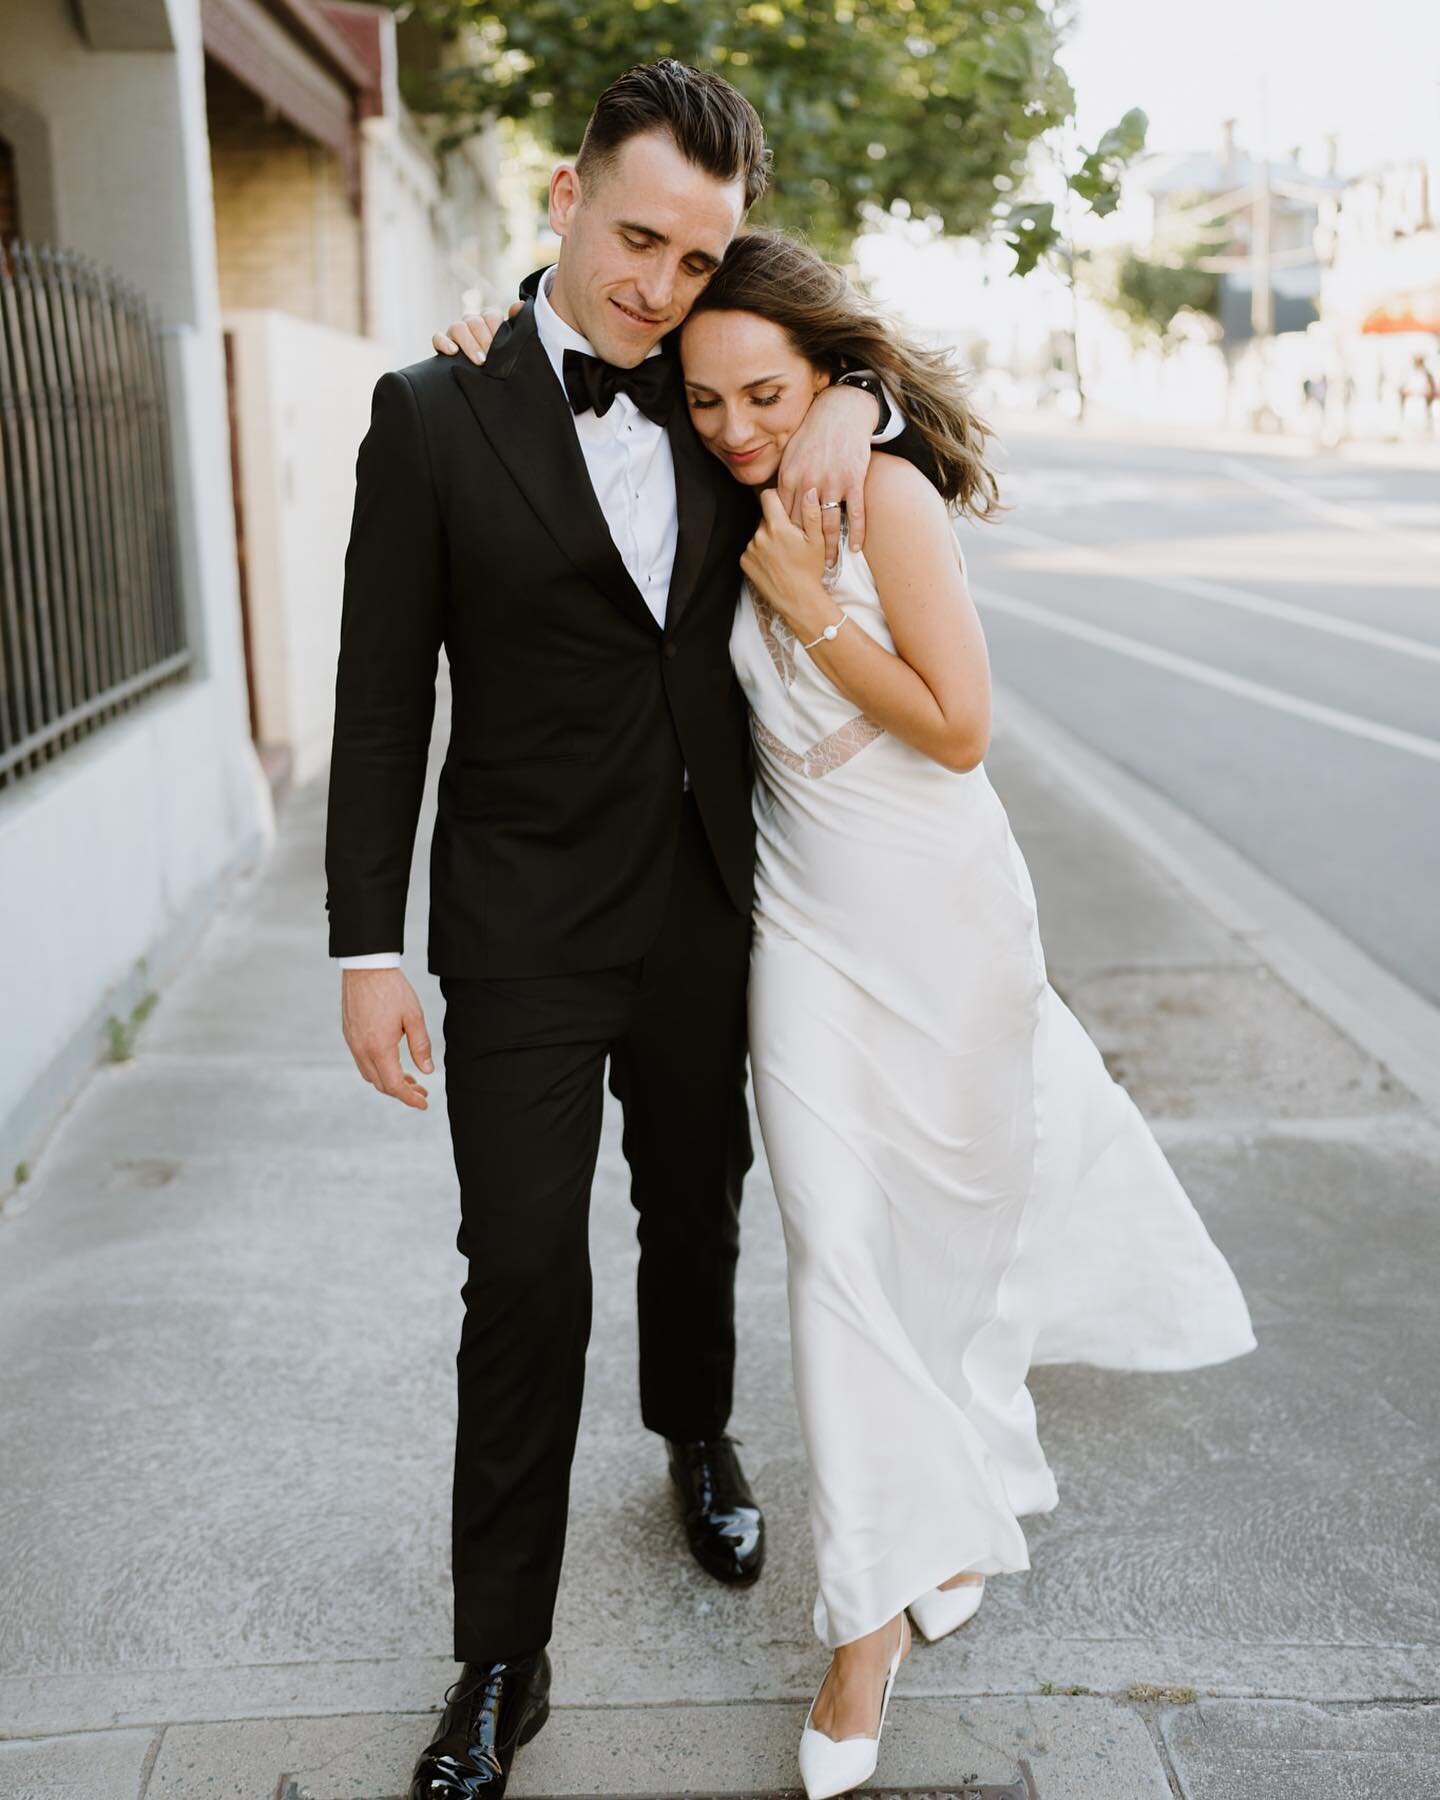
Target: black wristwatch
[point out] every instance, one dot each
(872, 384)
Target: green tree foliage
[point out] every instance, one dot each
(926, 107)
(1031, 229)
(1150, 296)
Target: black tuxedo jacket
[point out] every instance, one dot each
(574, 714)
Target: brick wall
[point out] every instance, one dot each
(286, 234)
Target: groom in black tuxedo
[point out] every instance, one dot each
(551, 518)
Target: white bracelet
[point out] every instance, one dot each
(830, 633)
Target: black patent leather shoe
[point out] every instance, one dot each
(724, 1525)
(490, 1712)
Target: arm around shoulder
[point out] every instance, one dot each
(901, 442)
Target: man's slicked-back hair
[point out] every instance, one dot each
(712, 124)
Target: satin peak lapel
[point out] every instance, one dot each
(521, 408)
(695, 478)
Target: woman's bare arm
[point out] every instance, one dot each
(934, 692)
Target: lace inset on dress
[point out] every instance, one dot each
(829, 754)
(777, 637)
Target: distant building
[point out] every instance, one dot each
(1262, 215)
(1252, 224)
(1380, 299)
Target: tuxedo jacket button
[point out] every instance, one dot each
(671, 651)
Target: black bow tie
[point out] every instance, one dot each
(592, 383)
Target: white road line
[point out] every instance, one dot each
(1353, 518)
(1241, 598)
(1415, 648)
(1274, 698)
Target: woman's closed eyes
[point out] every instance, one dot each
(698, 405)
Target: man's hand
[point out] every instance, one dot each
(473, 334)
(831, 453)
(377, 1008)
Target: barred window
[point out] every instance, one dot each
(91, 619)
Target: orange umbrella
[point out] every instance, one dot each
(1418, 311)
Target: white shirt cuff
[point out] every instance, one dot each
(375, 959)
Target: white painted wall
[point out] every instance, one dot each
(413, 281)
(112, 860)
(303, 404)
(442, 236)
(114, 854)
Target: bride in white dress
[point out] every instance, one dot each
(965, 1191)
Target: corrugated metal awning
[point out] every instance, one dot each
(316, 92)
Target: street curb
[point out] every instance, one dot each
(1329, 972)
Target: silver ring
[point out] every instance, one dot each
(825, 505)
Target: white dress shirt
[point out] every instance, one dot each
(631, 467)
(633, 473)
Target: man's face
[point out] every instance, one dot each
(641, 241)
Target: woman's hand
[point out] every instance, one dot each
(473, 334)
(784, 563)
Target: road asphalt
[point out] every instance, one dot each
(228, 1311)
(1254, 635)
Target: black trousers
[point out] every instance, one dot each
(524, 1071)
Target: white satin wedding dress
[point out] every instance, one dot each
(964, 1189)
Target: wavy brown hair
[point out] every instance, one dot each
(835, 328)
(712, 124)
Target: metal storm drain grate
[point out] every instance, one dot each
(1022, 1788)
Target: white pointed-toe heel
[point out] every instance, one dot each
(829, 1766)
(944, 1610)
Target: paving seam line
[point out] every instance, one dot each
(152, 1756)
(1144, 1705)
(1150, 1718)
(1332, 975)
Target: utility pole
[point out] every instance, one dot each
(1262, 302)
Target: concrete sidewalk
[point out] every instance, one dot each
(228, 1313)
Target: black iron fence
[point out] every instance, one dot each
(90, 607)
